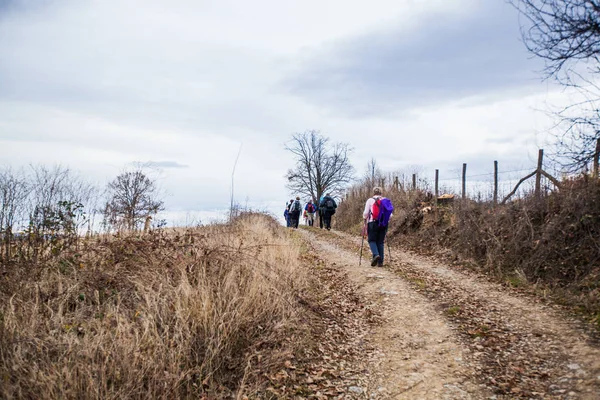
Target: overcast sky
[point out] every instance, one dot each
(96, 85)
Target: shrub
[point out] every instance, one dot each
(552, 241)
(177, 314)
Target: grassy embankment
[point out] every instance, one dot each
(550, 245)
(215, 311)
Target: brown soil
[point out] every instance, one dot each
(449, 334)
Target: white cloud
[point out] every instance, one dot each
(97, 85)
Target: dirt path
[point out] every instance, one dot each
(448, 334)
(419, 355)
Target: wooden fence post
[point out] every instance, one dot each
(464, 181)
(596, 158)
(538, 173)
(396, 183)
(414, 182)
(495, 182)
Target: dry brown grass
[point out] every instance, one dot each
(171, 315)
(551, 244)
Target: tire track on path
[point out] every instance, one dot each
(420, 357)
(519, 348)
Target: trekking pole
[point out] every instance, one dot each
(362, 242)
(389, 252)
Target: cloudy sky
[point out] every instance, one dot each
(98, 84)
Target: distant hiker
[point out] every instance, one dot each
(295, 210)
(327, 206)
(320, 211)
(378, 211)
(310, 210)
(147, 224)
(286, 213)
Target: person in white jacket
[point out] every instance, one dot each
(375, 233)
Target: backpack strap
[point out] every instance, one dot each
(371, 208)
(378, 206)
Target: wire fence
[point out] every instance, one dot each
(496, 186)
(481, 186)
(478, 186)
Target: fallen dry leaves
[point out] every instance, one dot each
(510, 358)
(333, 364)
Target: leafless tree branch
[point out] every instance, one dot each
(320, 166)
(132, 197)
(566, 35)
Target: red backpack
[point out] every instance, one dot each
(310, 208)
(375, 209)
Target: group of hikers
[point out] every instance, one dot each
(324, 208)
(376, 216)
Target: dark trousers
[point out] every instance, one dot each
(376, 237)
(321, 219)
(294, 219)
(327, 219)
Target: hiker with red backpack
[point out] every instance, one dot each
(310, 210)
(378, 211)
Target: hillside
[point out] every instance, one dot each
(211, 312)
(253, 310)
(548, 244)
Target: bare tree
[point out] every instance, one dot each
(49, 204)
(561, 32)
(132, 197)
(372, 173)
(320, 166)
(14, 189)
(57, 208)
(566, 35)
(578, 132)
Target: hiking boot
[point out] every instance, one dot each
(375, 261)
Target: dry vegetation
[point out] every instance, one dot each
(550, 244)
(200, 312)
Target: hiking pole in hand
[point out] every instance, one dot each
(389, 252)
(362, 242)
